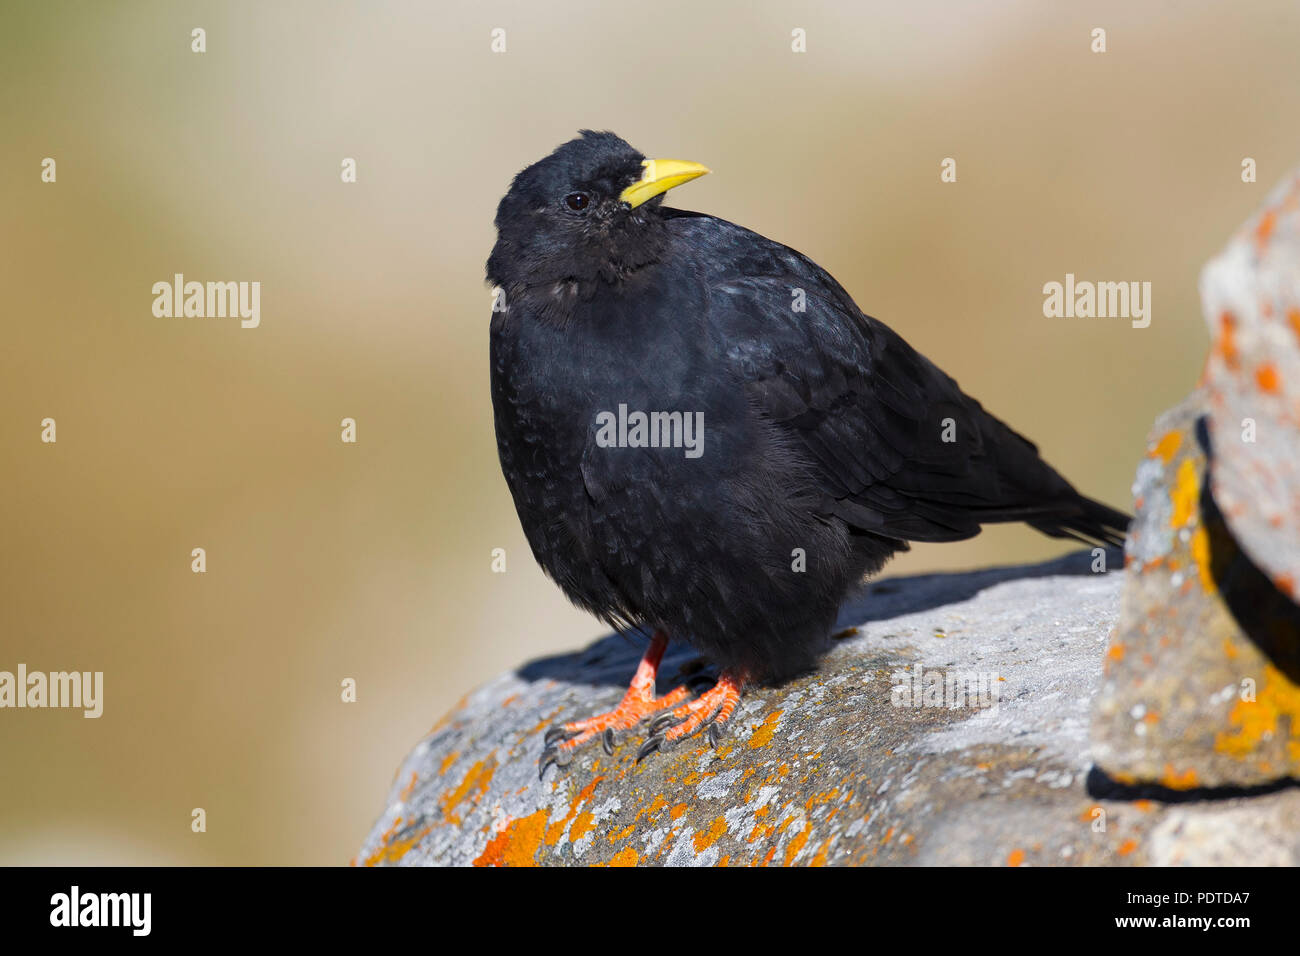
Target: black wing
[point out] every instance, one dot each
(900, 451)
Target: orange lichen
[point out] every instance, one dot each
(624, 857)
(763, 735)
(476, 782)
(1015, 858)
(582, 825)
(1227, 345)
(516, 844)
(1267, 379)
(1200, 548)
(447, 761)
(1264, 229)
(1168, 446)
(817, 798)
(707, 838)
(1184, 494)
(391, 850)
(660, 801)
(1259, 719)
(822, 854)
(1293, 318)
(678, 812)
(1127, 847)
(1174, 780)
(556, 830)
(797, 843)
(408, 789)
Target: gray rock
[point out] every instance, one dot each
(836, 767)
(1202, 676)
(1251, 298)
(1189, 697)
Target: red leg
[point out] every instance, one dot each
(712, 709)
(637, 704)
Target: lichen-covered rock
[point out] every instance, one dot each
(1202, 686)
(948, 725)
(1190, 699)
(1251, 297)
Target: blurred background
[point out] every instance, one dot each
(372, 561)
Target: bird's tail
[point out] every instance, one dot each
(1090, 522)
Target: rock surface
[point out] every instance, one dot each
(1199, 678)
(836, 767)
(1202, 678)
(1250, 293)
(951, 724)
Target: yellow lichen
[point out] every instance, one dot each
(1259, 719)
(1200, 548)
(763, 735)
(1185, 493)
(1168, 446)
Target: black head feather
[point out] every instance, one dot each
(562, 226)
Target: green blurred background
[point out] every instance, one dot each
(372, 561)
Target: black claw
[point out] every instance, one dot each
(662, 722)
(608, 740)
(556, 733)
(701, 682)
(549, 756)
(552, 755)
(653, 743)
(716, 732)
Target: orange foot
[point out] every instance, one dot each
(638, 703)
(712, 709)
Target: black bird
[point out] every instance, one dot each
(790, 444)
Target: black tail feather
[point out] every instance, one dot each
(1092, 523)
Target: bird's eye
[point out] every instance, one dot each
(577, 201)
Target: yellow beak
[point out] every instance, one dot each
(659, 176)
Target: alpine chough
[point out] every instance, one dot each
(706, 439)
